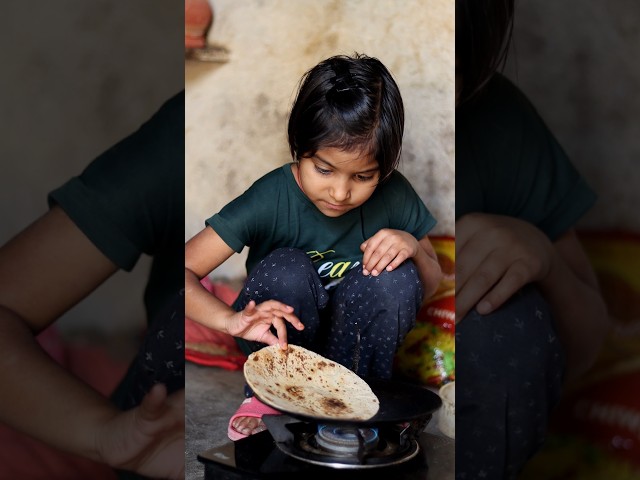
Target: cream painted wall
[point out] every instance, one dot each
(236, 112)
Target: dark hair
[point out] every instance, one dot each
(348, 103)
(483, 33)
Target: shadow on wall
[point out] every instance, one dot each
(80, 78)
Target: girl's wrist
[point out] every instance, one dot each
(229, 322)
(100, 439)
(549, 278)
(225, 324)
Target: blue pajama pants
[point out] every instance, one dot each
(360, 323)
(509, 370)
(160, 358)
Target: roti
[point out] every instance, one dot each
(299, 381)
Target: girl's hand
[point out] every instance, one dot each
(495, 257)
(255, 321)
(387, 249)
(148, 439)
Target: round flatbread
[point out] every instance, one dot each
(299, 381)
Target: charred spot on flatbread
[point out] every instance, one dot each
(296, 392)
(334, 406)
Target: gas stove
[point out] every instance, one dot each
(290, 447)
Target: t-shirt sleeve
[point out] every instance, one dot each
(524, 172)
(405, 208)
(232, 222)
(125, 200)
(242, 220)
(549, 191)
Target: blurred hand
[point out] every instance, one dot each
(148, 439)
(387, 249)
(255, 321)
(495, 257)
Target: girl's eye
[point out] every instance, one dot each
(322, 171)
(364, 178)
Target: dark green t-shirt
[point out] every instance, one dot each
(130, 201)
(509, 163)
(274, 213)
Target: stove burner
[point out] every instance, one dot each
(342, 445)
(258, 457)
(344, 439)
(381, 450)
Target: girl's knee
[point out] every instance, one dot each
(519, 335)
(285, 254)
(285, 274)
(402, 282)
(282, 261)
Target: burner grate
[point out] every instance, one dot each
(348, 440)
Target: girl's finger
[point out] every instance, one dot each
(153, 401)
(293, 320)
(281, 328)
(374, 258)
(150, 416)
(250, 308)
(274, 305)
(513, 280)
(268, 338)
(480, 282)
(384, 256)
(396, 262)
(466, 299)
(370, 249)
(469, 259)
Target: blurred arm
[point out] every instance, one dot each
(572, 290)
(44, 271)
(429, 269)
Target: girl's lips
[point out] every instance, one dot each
(335, 207)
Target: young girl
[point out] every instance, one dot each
(529, 309)
(339, 259)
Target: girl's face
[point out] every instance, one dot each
(337, 181)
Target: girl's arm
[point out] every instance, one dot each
(571, 288)
(428, 267)
(388, 248)
(44, 271)
(205, 252)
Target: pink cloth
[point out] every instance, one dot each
(210, 347)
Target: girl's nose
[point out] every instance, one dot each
(340, 191)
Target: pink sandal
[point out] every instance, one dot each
(251, 407)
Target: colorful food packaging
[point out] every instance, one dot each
(427, 354)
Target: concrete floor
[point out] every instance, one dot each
(214, 394)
